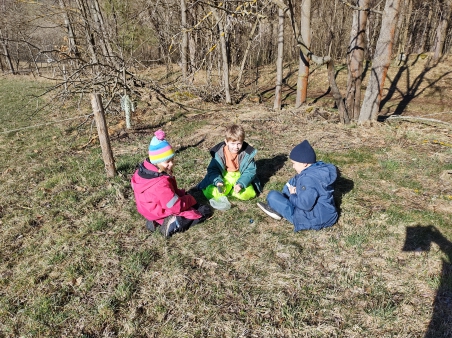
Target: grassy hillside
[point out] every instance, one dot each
(77, 261)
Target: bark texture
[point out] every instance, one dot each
(279, 60)
(380, 62)
(355, 59)
(303, 66)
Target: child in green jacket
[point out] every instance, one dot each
(232, 170)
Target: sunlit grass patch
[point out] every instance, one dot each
(355, 156)
(77, 260)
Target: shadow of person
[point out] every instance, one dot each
(342, 186)
(419, 238)
(267, 167)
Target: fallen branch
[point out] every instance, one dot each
(419, 119)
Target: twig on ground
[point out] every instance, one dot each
(418, 119)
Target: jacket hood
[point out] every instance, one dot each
(324, 172)
(245, 148)
(146, 174)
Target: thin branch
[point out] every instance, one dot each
(370, 10)
(418, 119)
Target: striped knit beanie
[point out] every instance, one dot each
(159, 148)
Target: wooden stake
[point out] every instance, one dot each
(99, 116)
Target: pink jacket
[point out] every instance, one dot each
(157, 195)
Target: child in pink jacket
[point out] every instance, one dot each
(157, 196)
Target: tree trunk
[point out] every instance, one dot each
(6, 53)
(102, 33)
(33, 59)
(224, 57)
(399, 25)
(72, 43)
(102, 131)
(319, 60)
(343, 115)
(303, 66)
(380, 62)
(279, 60)
(355, 59)
(88, 34)
(372, 31)
(403, 43)
(245, 55)
(184, 46)
(426, 31)
(441, 31)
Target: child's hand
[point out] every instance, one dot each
(237, 188)
(220, 187)
(292, 189)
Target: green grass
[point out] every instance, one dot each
(76, 259)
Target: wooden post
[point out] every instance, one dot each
(99, 116)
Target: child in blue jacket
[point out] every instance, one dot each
(232, 170)
(307, 199)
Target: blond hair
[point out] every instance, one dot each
(235, 133)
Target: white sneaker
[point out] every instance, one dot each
(269, 211)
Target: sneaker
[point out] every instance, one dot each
(269, 211)
(169, 226)
(150, 225)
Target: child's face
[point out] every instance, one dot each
(166, 166)
(234, 146)
(298, 166)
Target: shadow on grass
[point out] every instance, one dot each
(413, 87)
(336, 73)
(342, 186)
(181, 149)
(267, 167)
(419, 238)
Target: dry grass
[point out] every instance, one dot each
(77, 261)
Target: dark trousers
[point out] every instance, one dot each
(185, 223)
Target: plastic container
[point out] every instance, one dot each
(220, 203)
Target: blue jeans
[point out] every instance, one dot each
(280, 203)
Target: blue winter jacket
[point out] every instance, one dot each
(217, 168)
(313, 202)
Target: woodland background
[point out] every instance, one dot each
(107, 46)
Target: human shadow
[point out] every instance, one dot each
(342, 186)
(413, 86)
(420, 238)
(267, 167)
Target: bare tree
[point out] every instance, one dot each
(279, 60)
(441, 30)
(103, 38)
(184, 46)
(72, 41)
(6, 52)
(380, 62)
(224, 56)
(427, 28)
(355, 58)
(402, 49)
(245, 55)
(343, 115)
(303, 65)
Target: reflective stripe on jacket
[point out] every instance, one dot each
(157, 195)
